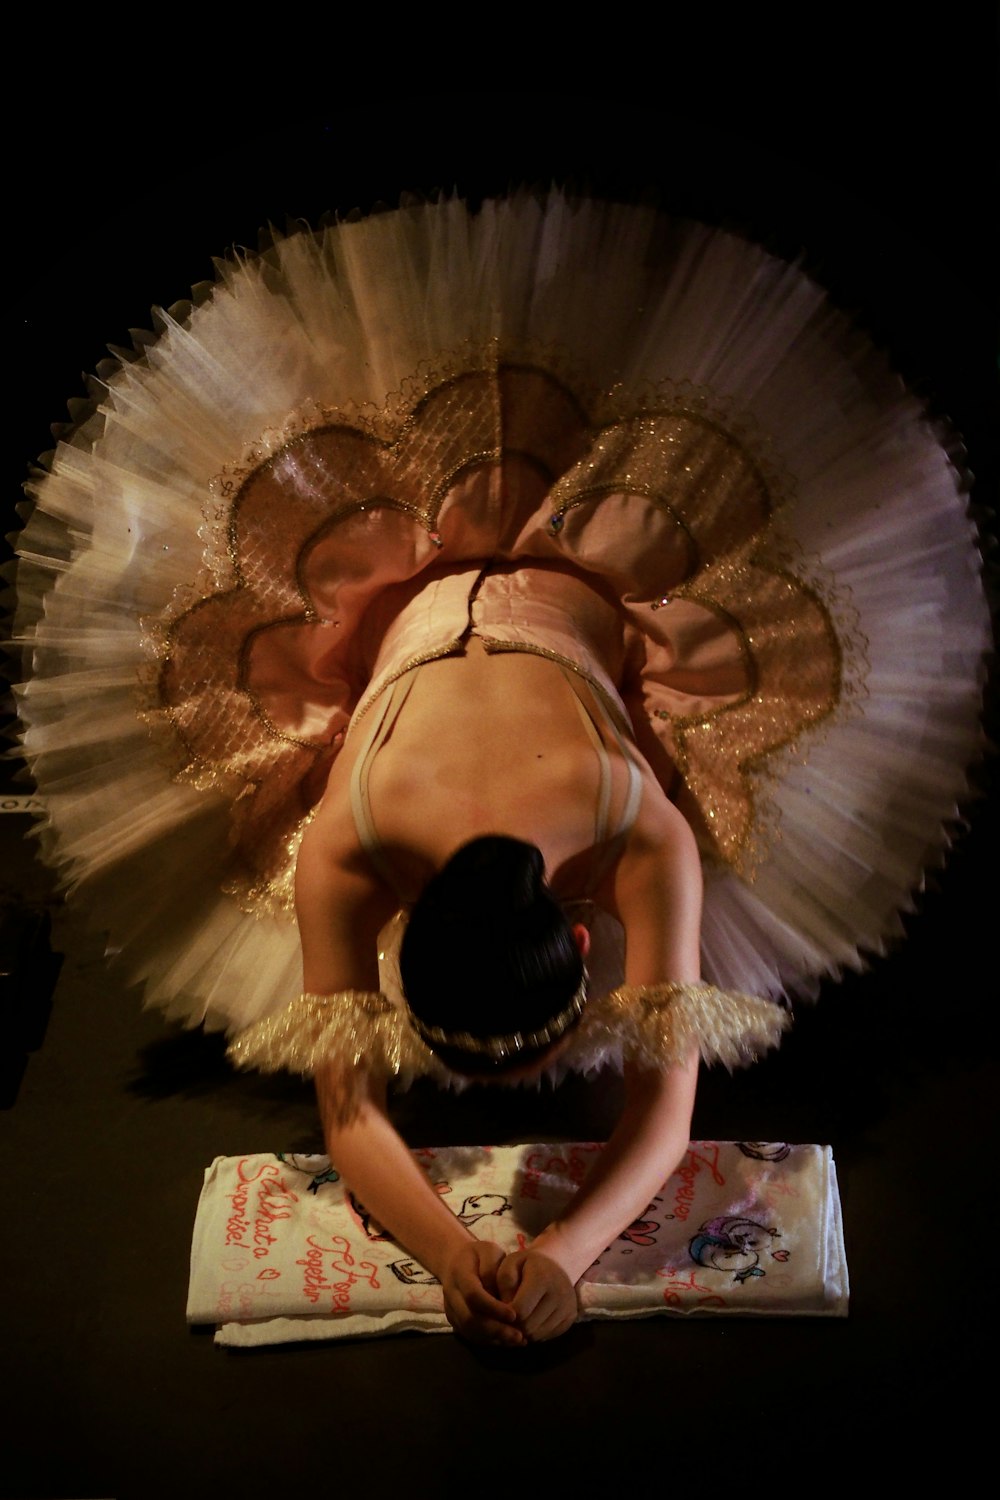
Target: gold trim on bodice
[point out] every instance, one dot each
(671, 504)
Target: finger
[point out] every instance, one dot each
(490, 1257)
(464, 1321)
(533, 1322)
(509, 1277)
(493, 1334)
(478, 1330)
(469, 1281)
(510, 1338)
(526, 1302)
(558, 1326)
(483, 1305)
(552, 1327)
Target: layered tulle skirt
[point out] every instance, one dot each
(664, 407)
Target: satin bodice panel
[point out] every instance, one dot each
(529, 606)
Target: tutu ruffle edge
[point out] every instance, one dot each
(624, 304)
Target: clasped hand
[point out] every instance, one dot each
(510, 1300)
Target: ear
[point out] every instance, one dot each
(582, 937)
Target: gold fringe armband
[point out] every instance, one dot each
(661, 1024)
(352, 1028)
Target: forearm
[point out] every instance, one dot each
(645, 1148)
(382, 1173)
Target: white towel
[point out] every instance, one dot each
(283, 1252)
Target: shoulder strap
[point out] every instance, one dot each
(608, 838)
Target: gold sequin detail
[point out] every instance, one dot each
(662, 1024)
(257, 677)
(656, 1025)
(346, 1029)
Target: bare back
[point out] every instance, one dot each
(493, 740)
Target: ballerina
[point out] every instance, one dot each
(599, 538)
(432, 809)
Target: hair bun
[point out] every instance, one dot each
(488, 950)
(495, 873)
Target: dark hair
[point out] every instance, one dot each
(488, 951)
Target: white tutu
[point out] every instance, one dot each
(149, 758)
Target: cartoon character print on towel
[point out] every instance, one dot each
(737, 1243)
(474, 1208)
(732, 1230)
(733, 1244)
(312, 1166)
(641, 1232)
(412, 1273)
(478, 1206)
(643, 1238)
(765, 1150)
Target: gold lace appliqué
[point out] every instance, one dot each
(348, 1028)
(657, 1025)
(258, 671)
(662, 1024)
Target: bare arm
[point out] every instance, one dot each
(649, 1140)
(341, 910)
(658, 896)
(382, 1173)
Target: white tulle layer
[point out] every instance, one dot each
(348, 318)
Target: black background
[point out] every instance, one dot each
(872, 158)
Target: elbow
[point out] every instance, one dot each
(346, 1097)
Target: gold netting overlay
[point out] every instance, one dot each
(669, 505)
(657, 1026)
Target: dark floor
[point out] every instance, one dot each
(110, 1120)
(115, 1120)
